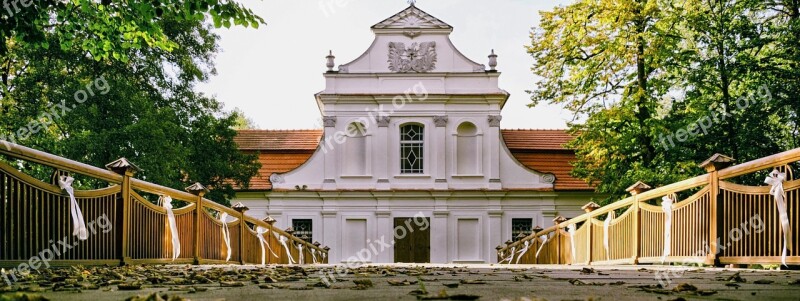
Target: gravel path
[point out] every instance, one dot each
(410, 282)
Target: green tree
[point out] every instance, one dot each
(242, 121)
(660, 85)
(140, 104)
(606, 61)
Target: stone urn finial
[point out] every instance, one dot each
(330, 63)
(493, 61)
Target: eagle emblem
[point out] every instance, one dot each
(419, 57)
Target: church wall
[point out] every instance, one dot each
(451, 214)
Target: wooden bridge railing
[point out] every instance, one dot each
(36, 227)
(717, 222)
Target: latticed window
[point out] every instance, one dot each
(303, 227)
(411, 148)
(521, 225)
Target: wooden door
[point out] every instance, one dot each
(415, 246)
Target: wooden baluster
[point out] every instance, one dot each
(199, 190)
(127, 169)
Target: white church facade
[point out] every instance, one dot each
(412, 164)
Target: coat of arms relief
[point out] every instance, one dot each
(419, 57)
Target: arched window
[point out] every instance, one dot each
(355, 158)
(411, 148)
(467, 152)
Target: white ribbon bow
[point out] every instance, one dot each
(314, 255)
(283, 241)
(78, 225)
(526, 245)
(606, 224)
(571, 230)
(776, 179)
(544, 240)
(510, 257)
(226, 234)
(166, 202)
(261, 230)
(300, 256)
(666, 205)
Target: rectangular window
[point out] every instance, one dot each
(521, 226)
(411, 149)
(303, 228)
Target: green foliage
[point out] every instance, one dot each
(639, 73)
(121, 87)
(106, 29)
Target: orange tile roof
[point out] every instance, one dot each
(276, 163)
(555, 163)
(278, 140)
(284, 150)
(532, 140)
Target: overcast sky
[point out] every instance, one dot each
(273, 72)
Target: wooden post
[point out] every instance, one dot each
(199, 190)
(713, 165)
(635, 190)
(559, 243)
(127, 169)
(591, 206)
(241, 208)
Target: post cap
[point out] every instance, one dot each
(559, 219)
(316, 244)
(269, 220)
(498, 247)
(638, 188)
(326, 248)
(508, 242)
(122, 165)
(197, 189)
(240, 207)
(289, 230)
(717, 162)
(589, 207)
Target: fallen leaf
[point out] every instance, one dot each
(472, 281)
(706, 293)
(23, 297)
(300, 288)
(684, 287)
(231, 284)
(736, 278)
(464, 297)
(129, 287)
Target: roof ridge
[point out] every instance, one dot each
(280, 130)
(551, 130)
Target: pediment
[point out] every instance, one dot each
(412, 18)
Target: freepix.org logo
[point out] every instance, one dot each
(56, 111)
